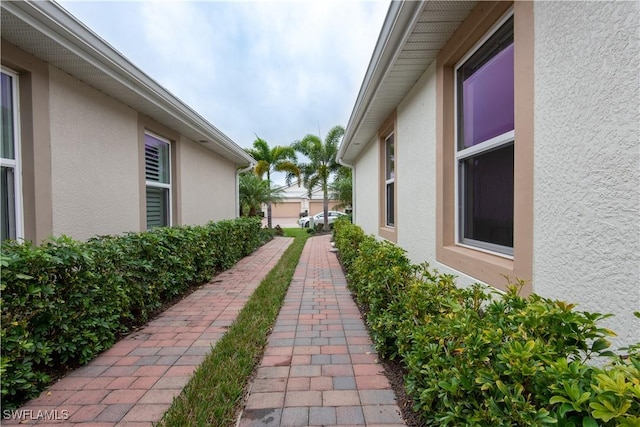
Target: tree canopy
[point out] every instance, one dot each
(273, 159)
(255, 191)
(321, 164)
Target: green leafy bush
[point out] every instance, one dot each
(347, 238)
(65, 301)
(476, 357)
(378, 277)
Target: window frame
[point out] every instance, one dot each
(386, 231)
(477, 264)
(15, 163)
(494, 143)
(389, 180)
(156, 184)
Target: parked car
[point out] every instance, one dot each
(311, 221)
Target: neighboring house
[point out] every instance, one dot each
(296, 201)
(498, 139)
(91, 145)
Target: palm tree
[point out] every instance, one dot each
(275, 159)
(322, 163)
(255, 191)
(342, 187)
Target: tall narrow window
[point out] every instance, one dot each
(10, 189)
(157, 160)
(389, 181)
(485, 143)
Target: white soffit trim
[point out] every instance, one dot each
(411, 37)
(50, 33)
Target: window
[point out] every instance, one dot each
(10, 185)
(157, 156)
(387, 179)
(485, 143)
(389, 182)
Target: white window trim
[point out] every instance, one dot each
(160, 184)
(486, 146)
(493, 143)
(389, 181)
(16, 163)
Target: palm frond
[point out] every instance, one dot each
(261, 150)
(281, 153)
(342, 188)
(334, 136)
(291, 170)
(261, 168)
(310, 183)
(322, 159)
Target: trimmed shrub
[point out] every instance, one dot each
(347, 238)
(378, 276)
(476, 357)
(65, 301)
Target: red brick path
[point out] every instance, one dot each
(319, 368)
(134, 382)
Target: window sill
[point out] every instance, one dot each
(491, 269)
(388, 233)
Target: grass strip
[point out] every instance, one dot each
(215, 391)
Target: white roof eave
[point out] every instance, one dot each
(411, 37)
(125, 82)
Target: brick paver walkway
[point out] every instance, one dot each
(319, 368)
(134, 382)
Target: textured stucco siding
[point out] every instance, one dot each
(207, 185)
(416, 168)
(94, 161)
(367, 184)
(587, 156)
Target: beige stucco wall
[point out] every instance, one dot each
(366, 188)
(587, 152)
(207, 185)
(416, 192)
(94, 161)
(416, 169)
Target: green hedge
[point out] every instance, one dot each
(65, 301)
(482, 358)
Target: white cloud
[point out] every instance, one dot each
(279, 69)
(312, 56)
(180, 35)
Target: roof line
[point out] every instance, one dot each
(397, 25)
(56, 23)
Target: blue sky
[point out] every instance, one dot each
(276, 69)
